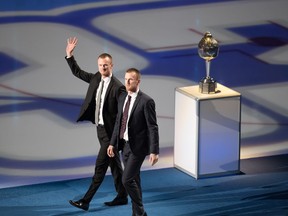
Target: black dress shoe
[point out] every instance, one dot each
(117, 201)
(80, 204)
(145, 214)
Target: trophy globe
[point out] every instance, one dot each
(208, 49)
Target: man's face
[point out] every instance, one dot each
(105, 66)
(131, 82)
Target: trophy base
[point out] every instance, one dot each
(208, 86)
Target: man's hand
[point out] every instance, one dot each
(153, 159)
(71, 44)
(110, 151)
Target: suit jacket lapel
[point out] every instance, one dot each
(97, 81)
(137, 100)
(109, 88)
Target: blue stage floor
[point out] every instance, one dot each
(261, 189)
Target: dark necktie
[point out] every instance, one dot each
(125, 117)
(98, 102)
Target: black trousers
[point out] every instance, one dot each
(101, 166)
(131, 179)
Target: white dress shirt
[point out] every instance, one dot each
(133, 98)
(106, 83)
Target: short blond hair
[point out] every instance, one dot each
(138, 73)
(104, 55)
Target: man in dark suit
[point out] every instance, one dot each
(100, 107)
(136, 134)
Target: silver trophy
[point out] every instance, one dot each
(208, 49)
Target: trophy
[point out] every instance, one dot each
(208, 49)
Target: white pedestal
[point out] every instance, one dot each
(207, 131)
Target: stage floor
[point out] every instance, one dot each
(261, 189)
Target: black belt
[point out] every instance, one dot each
(100, 125)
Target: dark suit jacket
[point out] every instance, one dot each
(142, 126)
(111, 98)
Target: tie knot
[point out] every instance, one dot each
(129, 99)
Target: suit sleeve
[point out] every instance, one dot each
(153, 131)
(115, 134)
(77, 71)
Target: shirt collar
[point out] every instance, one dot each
(134, 94)
(107, 79)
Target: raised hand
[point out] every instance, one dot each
(71, 44)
